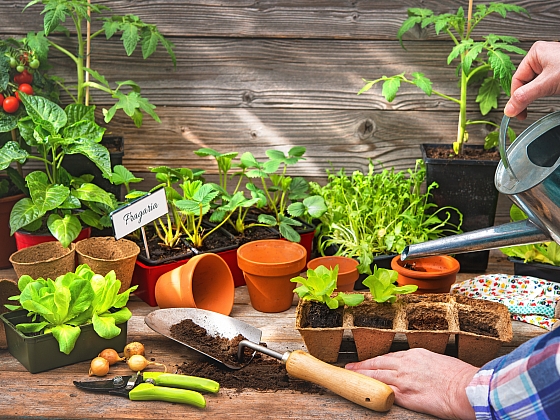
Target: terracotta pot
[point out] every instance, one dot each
(26, 239)
(204, 282)
(46, 260)
(103, 254)
(8, 242)
(268, 265)
(347, 270)
(433, 274)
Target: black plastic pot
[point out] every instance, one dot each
(41, 352)
(78, 165)
(538, 270)
(467, 185)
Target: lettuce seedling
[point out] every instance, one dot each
(381, 285)
(77, 298)
(319, 287)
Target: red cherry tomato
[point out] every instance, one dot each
(23, 77)
(10, 104)
(25, 88)
(1, 99)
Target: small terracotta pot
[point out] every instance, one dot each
(433, 274)
(347, 270)
(268, 265)
(204, 282)
(46, 260)
(104, 253)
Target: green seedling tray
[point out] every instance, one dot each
(39, 353)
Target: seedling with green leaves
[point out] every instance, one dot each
(319, 286)
(379, 213)
(77, 298)
(544, 252)
(285, 196)
(382, 288)
(485, 63)
(63, 200)
(133, 32)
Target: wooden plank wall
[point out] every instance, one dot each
(254, 75)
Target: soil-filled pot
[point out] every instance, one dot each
(8, 242)
(542, 271)
(46, 260)
(433, 274)
(468, 185)
(8, 288)
(104, 254)
(41, 352)
(347, 270)
(26, 239)
(268, 266)
(321, 329)
(204, 282)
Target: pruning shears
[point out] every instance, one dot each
(155, 386)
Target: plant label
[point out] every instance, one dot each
(140, 212)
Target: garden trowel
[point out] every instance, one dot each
(353, 386)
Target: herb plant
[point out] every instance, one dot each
(319, 287)
(379, 213)
(484, 63)
(382, 288)
(133, 32)
(56, 198)
(545, 252)
(62, 305)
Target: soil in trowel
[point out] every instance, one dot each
(263, 373)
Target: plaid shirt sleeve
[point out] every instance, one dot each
(524, 384)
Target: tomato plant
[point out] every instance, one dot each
(1, 99)
(25, 88)
(23, 77)
(11, 104)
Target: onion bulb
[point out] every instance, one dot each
(111, 356)
(133, 348)
(99, 367)
(137, 363)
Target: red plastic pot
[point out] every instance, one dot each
(27, 239)
(8, 242)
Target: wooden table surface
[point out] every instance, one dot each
(51, 394)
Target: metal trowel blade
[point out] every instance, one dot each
(215, 324)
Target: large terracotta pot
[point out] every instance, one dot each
(46, 260)
(204, 282)
(268, 265)
(25, 239)
(347, 270)
(8, 242)
(433, 274)
(104, 253)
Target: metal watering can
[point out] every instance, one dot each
(529, 174)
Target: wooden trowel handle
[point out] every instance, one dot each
(353, 386)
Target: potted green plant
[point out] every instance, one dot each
(464, 174)
(45, 330)
(372, 216)
(319, 314)
(541, 260)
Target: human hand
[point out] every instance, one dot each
(424, 381)
(537, 76)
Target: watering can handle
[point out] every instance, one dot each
(502, 146)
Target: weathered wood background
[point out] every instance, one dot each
(254, 75)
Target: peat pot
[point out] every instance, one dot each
(204, 282)
(433, 274)
(347, 270)
(41, 352)
(46, 260)
(104, 253)
(8, 288)
(268, 265)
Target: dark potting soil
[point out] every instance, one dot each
(427, 319)
(467, 154)
(320, 316)
(262, 373)
(482, 323)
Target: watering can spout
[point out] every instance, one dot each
(523, 232)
